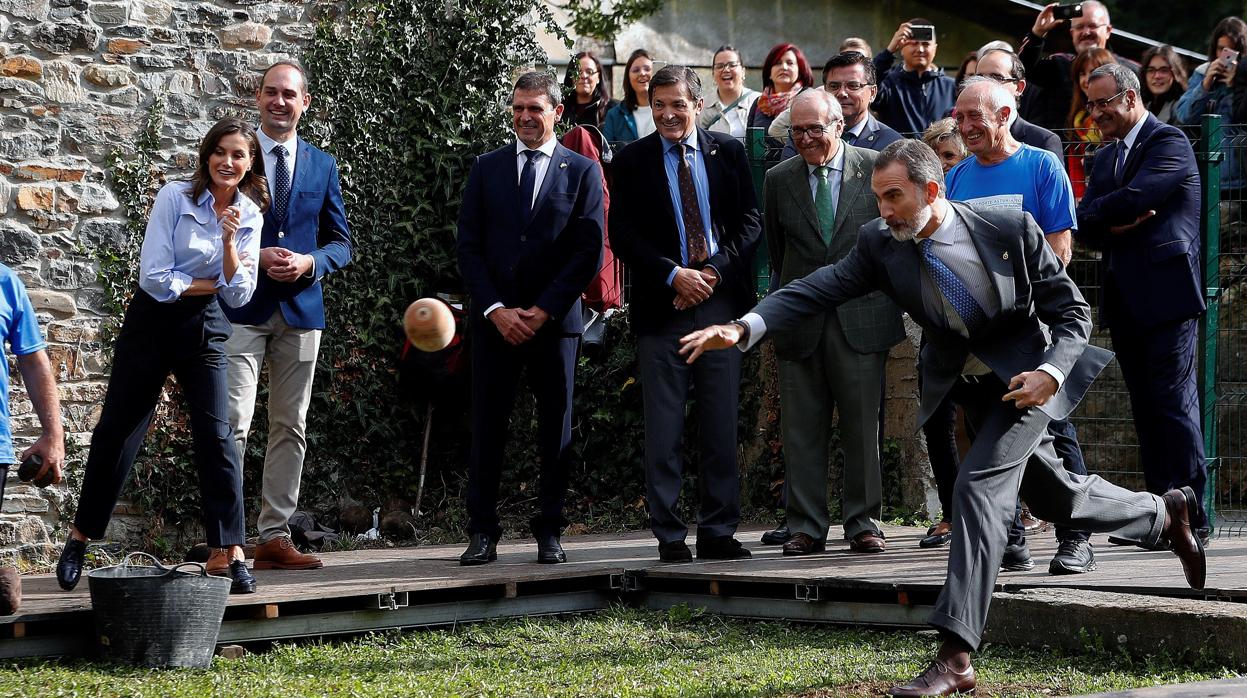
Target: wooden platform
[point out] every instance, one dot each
(406, 587)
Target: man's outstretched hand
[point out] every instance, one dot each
(709, 339)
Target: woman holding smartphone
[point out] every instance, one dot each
(1211, 92)
(202, 240)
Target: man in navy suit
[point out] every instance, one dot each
(305, 238)
(685, 221)
(530, 240)
(1141, 209)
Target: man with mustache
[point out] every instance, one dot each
(305, 238)
(1052, 84)
(1007, 337)
(530, 240)
(684, 220)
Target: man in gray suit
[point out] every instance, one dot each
(1007, 336)
(814, 206)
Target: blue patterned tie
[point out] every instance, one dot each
(281, 188)
(528, 181)
(953, 288)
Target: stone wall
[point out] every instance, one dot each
(76, 80)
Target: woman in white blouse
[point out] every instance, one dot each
(201, 244)
(730, 112)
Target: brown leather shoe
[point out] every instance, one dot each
(937, 535)
(1030, 524)
(868, 542)
(1179, 504)
(804, 544)
(218, 562)
(280, 554)
(938, 680)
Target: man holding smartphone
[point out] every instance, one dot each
(915, 94)
(1089, 27)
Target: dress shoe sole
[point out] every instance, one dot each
(1192, 506)
(242, 588)
(1018, 566)
(812, 551)
(552, 560)
(867, 551)
(265, 565)
(934, 541)
(1059, 568)
(470, 563)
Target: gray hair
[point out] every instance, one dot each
(828, 100)
(993, 46)
(677, 75)
(922, 165)
(1091, 6)
(1125, 78)
(536, 81)
(994, 95)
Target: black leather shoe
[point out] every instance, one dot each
(1017, 558)
(244, 583)
(937, 535)
(1073, 557)
(482, 549)
(1180, 506)
(549, 551)
(721, 548)
(675, 551)
(778, 536)
(69, 567)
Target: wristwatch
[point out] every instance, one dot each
(744, 329)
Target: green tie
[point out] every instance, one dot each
(824, 205)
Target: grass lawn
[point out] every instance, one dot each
(622, 652)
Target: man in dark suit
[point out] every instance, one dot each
(684, 220)
(814, 206)
(1007, 336)
(1142, 209)
(530, 240)
(1006, 68)
(305, 238)
(850, 78)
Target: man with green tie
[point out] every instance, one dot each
(814, 206)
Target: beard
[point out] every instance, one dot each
(908, 230)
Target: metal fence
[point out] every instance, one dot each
(1104, 422)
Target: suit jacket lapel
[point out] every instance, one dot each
(714, 170)
(1132, 156)
(555, 171)
(851, 184)
(905, 271)
(798, 186)
(993, 254)
(301, 174)
(658, 174)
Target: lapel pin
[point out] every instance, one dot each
(562, 166)
(1005, 256)
(859, 175)
(714, 151)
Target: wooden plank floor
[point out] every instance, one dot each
(904, 566)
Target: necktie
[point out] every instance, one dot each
(528, 181)
(690, 211)
(849, 138)
(281, 188)
(953, 288)
(823, 204)
(1120, 163)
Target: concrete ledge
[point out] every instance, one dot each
(1077, 619)
(1224, 688)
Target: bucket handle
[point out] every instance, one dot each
(202, 569)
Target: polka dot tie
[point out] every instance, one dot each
(690, 211)
(281, 188)
(953, 288)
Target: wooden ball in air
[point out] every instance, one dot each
(429, 324)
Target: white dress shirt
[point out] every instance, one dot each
(541, 163)
(270, 158)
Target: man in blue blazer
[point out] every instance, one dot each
(530, 240)
(305, 238)
(1141, 209)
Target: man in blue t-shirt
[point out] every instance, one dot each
(1003, 173)
(19, 330)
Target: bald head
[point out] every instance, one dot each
(817, 123)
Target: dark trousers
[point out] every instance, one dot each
(1011, 455)
(715, 382)
(184, 338)
(1158, 364)
(549, 359)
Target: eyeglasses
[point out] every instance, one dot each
(834, 86)
(1002, 79)
(813, 131)
(1094, 104)
(730, 65)
(588, 73)
(1087, 27)
(1162, 70)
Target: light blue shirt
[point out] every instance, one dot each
(697, 164)
(20, 330)
(183, 243)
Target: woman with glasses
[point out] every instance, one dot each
(587, 90)
(1085, 135)
(785, 72)
(733, 101)
(632, 119)
(1164, 81)
(1211, 91)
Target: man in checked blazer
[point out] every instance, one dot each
(814, 206)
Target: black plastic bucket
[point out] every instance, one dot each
(157, 616)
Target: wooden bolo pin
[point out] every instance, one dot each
(429, 324)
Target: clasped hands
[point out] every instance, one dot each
(693, 286)
(283, 265)
(518, 325)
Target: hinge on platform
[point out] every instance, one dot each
(626, 582)
(808, 592)
(392, 600)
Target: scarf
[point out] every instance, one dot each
(774, 103)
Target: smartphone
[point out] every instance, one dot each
(922, 32)
(1067, 11)
(1228, 57)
